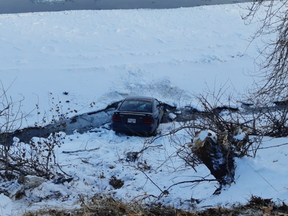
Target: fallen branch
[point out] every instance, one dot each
(274, 146)
(82, 150)
(193, 181)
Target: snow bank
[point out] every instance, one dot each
(5, 205)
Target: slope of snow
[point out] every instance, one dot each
(104, 56)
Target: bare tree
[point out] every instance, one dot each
(34, 157)
(275, 52)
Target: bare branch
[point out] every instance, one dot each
(275, 52)
(81, 150)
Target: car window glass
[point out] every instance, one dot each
(128, 106)
(145, 106)
(139, 106)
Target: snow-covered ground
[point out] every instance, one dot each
(103, 56)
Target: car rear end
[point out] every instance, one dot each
(133, 122)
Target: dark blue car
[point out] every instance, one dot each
(138, 115)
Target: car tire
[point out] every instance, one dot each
(154, 133)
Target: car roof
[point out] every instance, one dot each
(140, 98)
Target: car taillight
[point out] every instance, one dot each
(116, 118)
(148, 120)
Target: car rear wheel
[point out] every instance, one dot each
(154, 133)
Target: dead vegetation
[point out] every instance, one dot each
(108, 206)
(29, 163)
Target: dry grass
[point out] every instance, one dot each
(108, 206)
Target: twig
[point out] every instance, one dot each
(193, 181)
(165, 192)
(63, 170)
(13, 167)
(147, 147)
(262, 177)
(273, 146)
(82, 150)
(172, 132)
(152, 181)
(82, 200)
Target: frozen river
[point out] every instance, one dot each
(23, 6)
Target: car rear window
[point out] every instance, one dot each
(136, 106)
